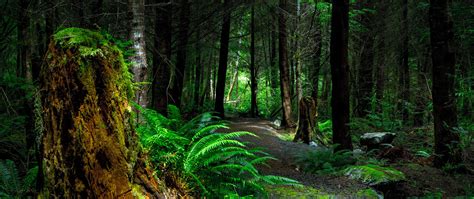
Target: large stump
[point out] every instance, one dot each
(89, 146)
(306, 120)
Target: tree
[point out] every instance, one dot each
(182, 45)
(139, 60)
(340, 73)
(365, 80)
(253, 70)
(161, 57)
(89, 144)
(223, 57)
(283, 65)
(314, 77)
(404, 78)
(444, 106)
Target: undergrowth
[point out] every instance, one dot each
(206, 162)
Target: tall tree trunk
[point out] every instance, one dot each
(162, 57)
(365, 80)
(380, 68)
(318, 42)
(223, 56)
(284, 67)
(198, 71)
(340, 74)
(273, 54)
(444, 106)
(422, 96)
(89, 144)
(253, 71)
(178, 81)
(404, 78)
(139, 61)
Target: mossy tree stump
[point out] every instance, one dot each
(306, 120)
(307, 125)
(89, 145)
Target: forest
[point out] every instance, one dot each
(236, 99)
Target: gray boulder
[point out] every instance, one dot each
(377, 139)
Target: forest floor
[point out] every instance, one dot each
(286, 152)
(422, 180)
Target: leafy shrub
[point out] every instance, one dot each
(216, 163)
(373, 174)
(11, 185)
(324, 160)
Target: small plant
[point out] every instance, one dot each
(373, 174)
(11, 185)
(325, 160)
(216, 163)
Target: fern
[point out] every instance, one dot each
(11, 185)
(325, 160)
(218, 164)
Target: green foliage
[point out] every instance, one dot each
(373, 174)
(325, 160)
(11, 185)
(216, 163)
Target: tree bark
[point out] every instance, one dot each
(181, 55)
(340, 74)
(283, 65)
(318, 42)
(306, 120)
(253, 71)
(444, 106)
(89, 144)
(365, 80)
(162, 57)
(380, 68)
(404, 78)
(223, 56)
(139, 60)
(198, 72)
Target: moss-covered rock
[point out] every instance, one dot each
(89, 144)
(373, 174)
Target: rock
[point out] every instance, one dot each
(377, 139)
(313, 144)
(277, 123)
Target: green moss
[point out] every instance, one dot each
(374, 174)
(367, 193)
(302, 192)
(73, 37)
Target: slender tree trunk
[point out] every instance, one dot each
(421, 97)
(253, 71)
(182, 45)
(273, 54)
(223, 56)
(404, 78)
(380, 68)
(318, 42)
(340, 74)
(365, 80)
(139, 60)
(198, 71)
(162, 57)
(444, 106)
(284, 67)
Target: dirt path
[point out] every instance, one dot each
(285, 152)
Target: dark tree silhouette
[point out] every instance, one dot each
(444, 107)
(223, 56)
(340, 73)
